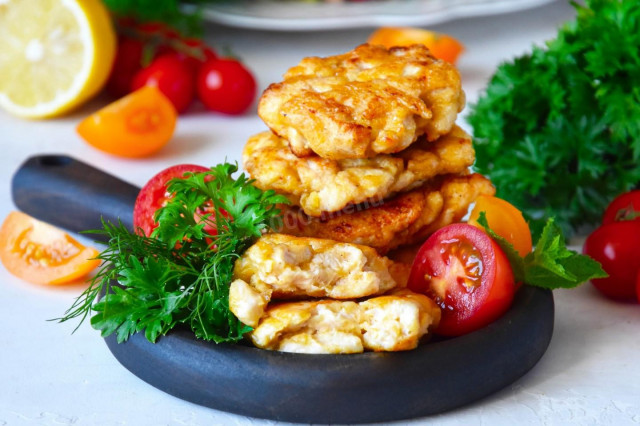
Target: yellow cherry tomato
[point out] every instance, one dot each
(505, 220)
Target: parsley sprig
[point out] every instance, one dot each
(551, 264)
(181, 274)
(558, 130)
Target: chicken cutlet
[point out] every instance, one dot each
(321, 185)
(281, 266)
(369, 101)
(408, 218)
(393, 322)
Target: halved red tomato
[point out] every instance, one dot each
(41, 253)
(154, 195)
(466, 273)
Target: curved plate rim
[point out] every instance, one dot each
(312, 388)
(273, 16)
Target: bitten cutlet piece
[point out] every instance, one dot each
(321, 185)
(285, 267)
(369, 101)
(393, 322)
(406, 219)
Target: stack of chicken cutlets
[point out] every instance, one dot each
(366, 148)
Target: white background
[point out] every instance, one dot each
(589, 375)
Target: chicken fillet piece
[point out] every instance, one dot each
(393, 322)
(285, 267)
(369, 101)
(408, 218)
(321, 185)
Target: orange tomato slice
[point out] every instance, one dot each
(43, 254)
(505, 220)
(441, 46)
(136, 125)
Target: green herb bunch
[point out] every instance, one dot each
(181, 274)
(558, 130)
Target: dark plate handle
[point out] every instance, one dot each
(71, 194)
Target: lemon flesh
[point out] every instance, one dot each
(54, 54)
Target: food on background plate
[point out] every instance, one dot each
(615, 245)
(137, 125)
(558, 152)
(41, 253)
(280, 266)
(322, 185)
(56, 62)
(394, 322)
(405, 219)
(442, 46)
(369, 101)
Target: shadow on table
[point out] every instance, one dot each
(184, 144)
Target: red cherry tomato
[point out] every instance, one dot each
(171, 76)
(625, 203)
(225, 85)
(154, 195)
(615, 246)
(638, 286)
(466, 273)
(127, 63)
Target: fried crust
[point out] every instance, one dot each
(406, 219)
(321, 185)
(368, 101)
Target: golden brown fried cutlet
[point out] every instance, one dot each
(365, 102)
(321, 185)
(408, 218)
(282, 266)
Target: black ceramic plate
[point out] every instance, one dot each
(369, 387)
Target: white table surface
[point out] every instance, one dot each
(589, 375)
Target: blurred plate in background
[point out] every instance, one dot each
(289, 15)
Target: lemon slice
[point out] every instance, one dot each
(54, 54)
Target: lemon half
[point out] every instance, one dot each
(54, 54)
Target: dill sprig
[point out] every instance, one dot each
(181, 274)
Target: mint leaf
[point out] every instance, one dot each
(550, 265)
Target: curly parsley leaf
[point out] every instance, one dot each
(558, 130)
(180, 275)
(551, 264)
